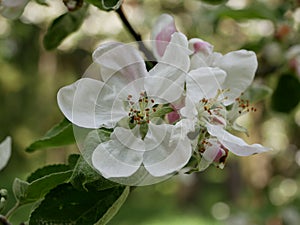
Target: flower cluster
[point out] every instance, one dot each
(149, 143)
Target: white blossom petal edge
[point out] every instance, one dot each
(5, 152)
(235, 144)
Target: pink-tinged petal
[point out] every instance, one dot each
(173, 66)
(120, 64)
(204, 82)
(199, 46)
(5, 152)
(122, 156)
(176, 60)
(235, 144)
(88, 103)
(165, 153)
(174, 116)
(161, 34)
(240, 67)
(203, 53)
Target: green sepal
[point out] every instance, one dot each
(161, 111)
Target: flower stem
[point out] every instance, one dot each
(136, 36)
(12, 210)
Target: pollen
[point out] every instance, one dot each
(140, 111)
(244, 105)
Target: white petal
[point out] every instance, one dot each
(161, 34)
(189, 110)
(204, 82)
(140, 178)
(5, 152)
(164, 90)
(235, 144)
(120, 64)
(88, 103)
(240, 67)
(175, 62)
(165, 154)
(120, 157)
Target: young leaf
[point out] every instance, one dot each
(20, 188)
(67, 205)
(61, 134)
(5, 152)
(62, 26)
(106, 4)
(30, 192)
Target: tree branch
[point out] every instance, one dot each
(136, 36)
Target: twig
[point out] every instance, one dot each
(136, 36)
(3, 221)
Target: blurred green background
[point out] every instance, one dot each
(257, 190)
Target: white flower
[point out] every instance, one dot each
(127, 98)
(5, 152)
(233, 71)
(214, 82)
(12, 9)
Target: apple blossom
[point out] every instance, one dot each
(130, 100)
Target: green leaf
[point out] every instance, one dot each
(46, 170)
(61, 134)
(5, 152)
(287, 94)
(106, 4)
(30, 192)
(62, 26)
(257, 92)
(68, 206)
(85, 177)
(20, 188)
(41, 172)
(215, 2)
(253, 11)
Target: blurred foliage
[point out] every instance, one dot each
(262, 189)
